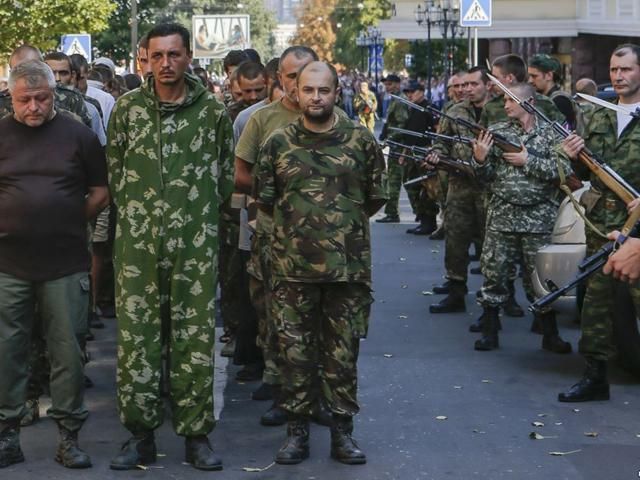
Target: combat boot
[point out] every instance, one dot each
(445, 288)
(275, 416)
(511, 308)
(296, 448)
(551, 340)
(138, 450)
(10, 451)
(199, 454)
(489, 340)
(263, 392)
(593, 385)
(438, 234)
(427, 226)
(389, 219)
(33, 412)
(454, 302)
(69, 454)
(343, 447)
(477, 326)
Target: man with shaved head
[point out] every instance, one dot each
(320, 178)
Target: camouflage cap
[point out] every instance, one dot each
(545, 63)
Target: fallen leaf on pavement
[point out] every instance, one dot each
(402, 317)
(257, 469)
(537, 424)
(576, 410)
(402, 259)
(457, 387)
(591, 434)
(542, 415)
(403, 286)
(487, 381)
(427, 292)
(562, 454)
(387, 355)
(537, 436)
(441, 417)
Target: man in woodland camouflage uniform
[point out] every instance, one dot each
(321, 178)
(521, 213)
(511, 69)
(166, 150)
(465, 212)
(366, 106)
(397, 116)
(614, 138)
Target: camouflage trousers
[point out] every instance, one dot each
(465, 218)
(260, 292)
(319, 328)
(165, 301)
(421, 204)
(395, 172)
(596, 324)
(368, 120)
(230, 268)
(500, 254)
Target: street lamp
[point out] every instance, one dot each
(427, 16)
(374, 38)
(361, 41)
(450, 11)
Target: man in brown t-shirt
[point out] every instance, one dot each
(52, 180)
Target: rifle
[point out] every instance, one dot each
(500, 141)
(591, 264)
(604, 172)
(444, 163)
(436, 136)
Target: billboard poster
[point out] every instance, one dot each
(215, 35)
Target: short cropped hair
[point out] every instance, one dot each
(334, 73)
(525, 91)
(167, 29)
(299, 51)
(514, 65)
(249, 70)
(622, 50)
(484, 75)
(33, 71)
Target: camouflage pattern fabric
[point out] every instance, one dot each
(267, 335)
(168, 177)
(319, 185)
(465, 214)
(6, 108)
(319, 329)
(230, 271)
(397, 116)
(72, 101)
(524, 201)
(366, 106)
(607, 213)
(493, 111)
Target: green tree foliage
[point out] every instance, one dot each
(419, 50)
(41, 22)
(315, 27)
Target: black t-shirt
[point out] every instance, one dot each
(45, 173)
(419, 121)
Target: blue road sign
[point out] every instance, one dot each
(77, 43)
(475, 13)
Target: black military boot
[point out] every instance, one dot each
(10, 451)
(489, 340)
(296, 448)
(593, 385)
(343, 447)
(69, 454)
(138, 450)
(389, 219)
(445, 288)
(454, 302)
(536, 324)
(511, 308)
(275, 416)
(199, 454)
(33, 412)
(427, 226)
(263, 392)
(438, 234)
(551, 340)
(476, 327)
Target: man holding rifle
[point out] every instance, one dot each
(614, 137)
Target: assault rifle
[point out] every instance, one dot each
(500, 141)
(591, 264)
(435, 136)
(606, 174)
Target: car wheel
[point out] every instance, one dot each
(625, 331)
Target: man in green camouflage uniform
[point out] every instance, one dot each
(397, 116)
(521, 212)
(615, 139)
(465, 212)
(511, 69)
(321, 178)
(366, 106)
(167, 142)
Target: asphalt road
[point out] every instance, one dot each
(432, 407)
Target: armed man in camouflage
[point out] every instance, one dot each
(166, 150)
(614, 138)
(397, 116)
(321, 178)
(366, 105)
(511, 69)
(465, 211)
(521, 213)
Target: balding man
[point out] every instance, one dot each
(50, 189)
(320, 178)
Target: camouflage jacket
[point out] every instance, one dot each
(604, 208)
(170, 162)
(493, 111)
(319, 185)
(524, 199)
(458, 150)
(397, 116)
(365, 105)
(5, 103)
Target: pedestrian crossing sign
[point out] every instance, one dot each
(475, 13)
(77, 43)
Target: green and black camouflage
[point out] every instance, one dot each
(493, 111)
(366, 106)
(397, 116)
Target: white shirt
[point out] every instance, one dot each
(106, 101)
(623, 118)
